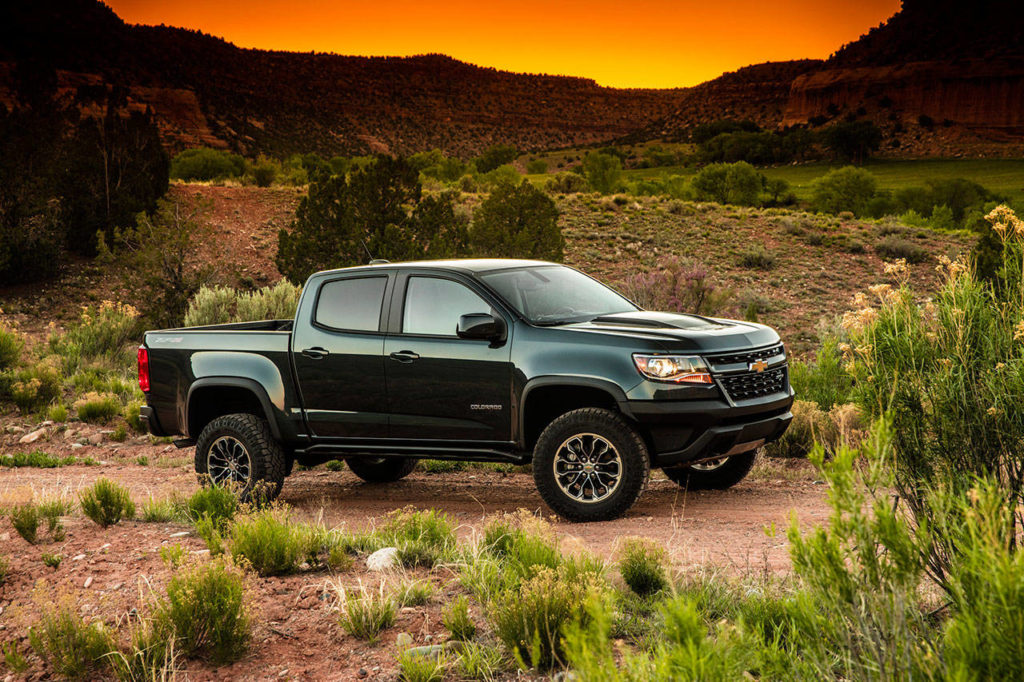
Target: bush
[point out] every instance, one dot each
(206, 164)
(11, 346)
(106, 503)
(264, 172)
(32, 388)
(4, 569)
(567, 183)
(366, 614)
(734, 183)
(268, 542)
(215, 503)
(422, 537)
(478, 661)
(758, 258)
(415, 667)
(852, 141)
(823, 381)
(132, 416)
(843, 189)
(517, 222)
(537, 167)
(108, 331)
(160, 511)
(603, 172)
(457, 620)
(893, 248)
(413, 593)
(97, 408)
(221, 305)
(502, 175)
(497, 155)
(529, 620)
(206, 611)
(642, 564)
(379, 209)
(25, 520)
(679, 287)
(73, 648)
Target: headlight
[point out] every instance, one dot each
(679, 369)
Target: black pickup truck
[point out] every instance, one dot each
(484, 360)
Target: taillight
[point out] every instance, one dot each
(144, 369)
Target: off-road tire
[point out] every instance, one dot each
(611, 426)
(732, 471)
(381, 470)
(268, 460)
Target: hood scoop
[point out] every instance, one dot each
(655, 320)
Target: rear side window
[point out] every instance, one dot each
(433, 306)
(351, 304)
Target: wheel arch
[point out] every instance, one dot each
(546, 398)
(213, 397)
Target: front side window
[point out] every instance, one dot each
(433, 306)
(351, 304)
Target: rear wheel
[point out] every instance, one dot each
(714, 474)
(590, 465)
(381, 469)
(238, 451)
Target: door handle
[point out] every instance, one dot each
(316, 353)
(405, 356)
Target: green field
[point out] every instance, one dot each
(1005, 177)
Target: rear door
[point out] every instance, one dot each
(441, 387)
(339, 362)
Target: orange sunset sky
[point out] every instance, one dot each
(623, 43)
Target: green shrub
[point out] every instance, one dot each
(893, 247)
(25, 520)
(220, 305)
(264, 172)
(603, 172)
(108, 331)
(415, 667)
(843, 189)
(173, 555)
(160, 511)
(413, 593)
(495, 156)
(36, 459)
(97, 408)
(211, 305)
(537, 167)
(57, 413)
(269, 542)
(4, 569)
(34, 387)
(823, 381)
(729, 183)
(517, 221)
(52, 559)
(204, 164)
(422, 537)
(216, 503)
(365, 614)
(643, 565)
(206, 610)
(13, 658)
(73, 648)
(758, 258)
(106, 503)
(455, 617)
(529, 620)
(567, 183)
(479, 661)
(11, 346)
(335, 465)
(338, 559)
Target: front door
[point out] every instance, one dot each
(441, 387)
(339, 359)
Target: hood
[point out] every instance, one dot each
(681, 333)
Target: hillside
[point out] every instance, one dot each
(207, 91)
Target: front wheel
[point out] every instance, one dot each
(238, 451)
(381, 469)
(715, 474)
(590, 465)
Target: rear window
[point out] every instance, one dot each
(351, 304)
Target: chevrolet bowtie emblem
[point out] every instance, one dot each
(758, 366)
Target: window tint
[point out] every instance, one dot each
(433, 306)
(352, 304)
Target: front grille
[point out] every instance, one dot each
(747, 357)
(754, 384)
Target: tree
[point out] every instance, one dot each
(163, 259)
(844, 189)
(603, 172)
(495, 156)
(852, 141)
(378, 211)
(729, 183)
(517, 221)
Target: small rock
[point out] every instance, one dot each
(403, 640)
(428, 637)
(69, 434)
(431, 651)
(115, 586)
(283, 673)
(78, 557)
(362, 672)
(32, 437)
(88, 582)
(382, 559)
(9, 678)
(76, 446)
(46, 423)
(104, 546)
(95, 439)
(182, 534)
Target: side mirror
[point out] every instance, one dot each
(483, 326)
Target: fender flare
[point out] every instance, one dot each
(250, 385)
(609, 387)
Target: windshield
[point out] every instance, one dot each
(552, 294)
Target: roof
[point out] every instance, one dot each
(473, 265)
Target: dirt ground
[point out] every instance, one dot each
(108, 573)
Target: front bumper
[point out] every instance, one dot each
(687, 430)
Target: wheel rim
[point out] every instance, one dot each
(228, 462)
(587, 468)
(709, 465)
